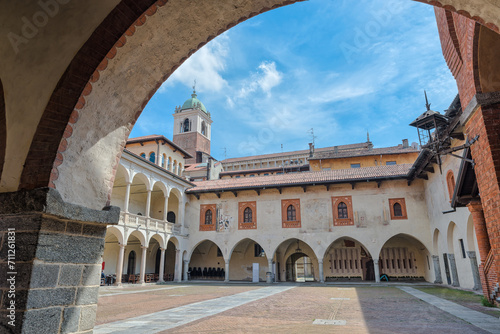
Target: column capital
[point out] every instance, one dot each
(162, 249)
(122, 245)
(144, 247)
(375, 261)
(475, 206)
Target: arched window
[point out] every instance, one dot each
(152, 157)
(247, 215)
(208, 217)
(203, 128)
(342, 211)
(185, 127)
(163, 160)
(169, 162)
(143, 155)
(179, 170)
(450, 181)
(398, 210)
(291, 214)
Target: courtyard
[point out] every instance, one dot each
(213, 307)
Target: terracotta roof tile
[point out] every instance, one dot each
(292, 179)
(285, 154)
(366, 152)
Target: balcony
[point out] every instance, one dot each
(149, 224)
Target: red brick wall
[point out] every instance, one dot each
(460, 43)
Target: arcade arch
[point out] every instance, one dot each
(243, 255)
(404, 257)
(206, 261)
(347, 259)
(295, 261)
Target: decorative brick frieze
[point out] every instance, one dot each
(342, 216)
(204, 208)
(402, 204)
(292, 223)
(247, 225)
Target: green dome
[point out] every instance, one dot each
(193, 103)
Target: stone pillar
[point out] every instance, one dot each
(321, 274)
(453, 269)
(185, 271)
(178, 266)
(55, 270)
(269, 278)
(475, 270)
(376, 270)
(127, 198)
(162, 265)
(148, 204)
(483, 241)
(119, 265)
(182, 208)
(437, 270)
(165, 208)
(143, 264)
(226, 278)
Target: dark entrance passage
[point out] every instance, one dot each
(299, 268)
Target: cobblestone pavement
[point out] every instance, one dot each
(281, 308)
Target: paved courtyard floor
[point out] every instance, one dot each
(283, 308)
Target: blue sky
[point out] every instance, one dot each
(341, 67)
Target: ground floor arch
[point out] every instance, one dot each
(295, 261)
(248, 262)
(405, 258)
(206, 262)
(347, 259)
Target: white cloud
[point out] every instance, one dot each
(340, 93)
(266, 79)
(205, 66)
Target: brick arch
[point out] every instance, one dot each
(3, 128)
(42, 164)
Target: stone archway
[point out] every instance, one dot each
(296, 261)
(405, 258)
(347, 259)
(206, 262)
(52, 137)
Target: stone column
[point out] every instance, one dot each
(453, 269)
(57, 264)
(162, 265)
(321, 273)
(376, 270)
(178, 266)
(165, 208)
(185, 271)
(483, 241)
(182, 208)
(127, 198)
(475, 270)
(226, 278)
(119, 265)
(269, 279)
(143, 264)
(437, 270)
(148, 204)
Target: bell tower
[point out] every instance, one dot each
(192, 129)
